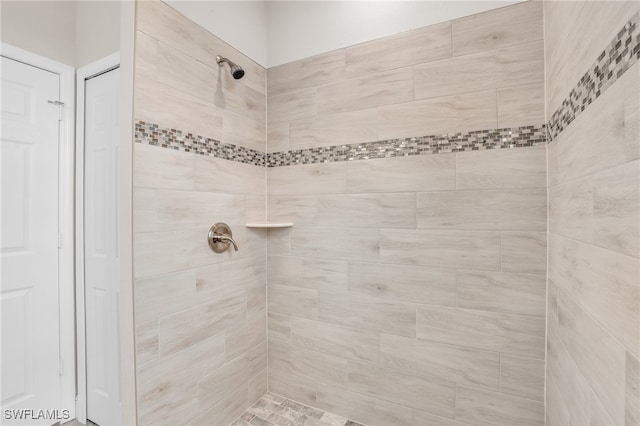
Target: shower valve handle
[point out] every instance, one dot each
(217, 238)
(220, 238)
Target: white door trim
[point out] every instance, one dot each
(125, 219)
(100, 66)
(66, 223)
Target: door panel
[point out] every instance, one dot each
(101, 255)
(17, 309)
(15, 169)
(29, 239)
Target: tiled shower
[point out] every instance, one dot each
(465, 209)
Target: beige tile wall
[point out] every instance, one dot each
(400, 303)
(200, 316)
(402, 277)
(576, 33)
(412, 290)
(473, 73)
(593, 320)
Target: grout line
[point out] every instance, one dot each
(418, 339)
(608, 330)
(501, 252)
(572, 361)
(452, 40)
(500, 371)
(455, 171)
(591, 174)
(608, 250)
(415, 211)
(546, 293)
(413, 78)
(455, 293)
(497, 110)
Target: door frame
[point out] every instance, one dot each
(93, 69)
(66, 284)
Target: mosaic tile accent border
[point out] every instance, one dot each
(620, 55)
(515, 137)
(152, 134)
(274, 410)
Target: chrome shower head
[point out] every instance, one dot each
(236, 70)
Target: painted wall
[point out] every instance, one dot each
(46, 28)
(411, 288)
(593, 372)
(75, 33)
(200, 316)
(97, 30)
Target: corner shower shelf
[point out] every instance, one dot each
(269, 225)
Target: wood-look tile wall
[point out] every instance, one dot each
(593, 319)
(411, 290)
(200, 316)
(480, 72)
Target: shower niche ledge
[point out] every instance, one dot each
(268, 225)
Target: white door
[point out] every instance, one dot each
(29, 240)
(101, 248)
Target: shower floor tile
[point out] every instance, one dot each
(274, 410)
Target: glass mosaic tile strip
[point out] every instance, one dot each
(619, 56)
(152, 134)
(513, 137)
(477, 140)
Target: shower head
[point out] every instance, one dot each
(236, 70)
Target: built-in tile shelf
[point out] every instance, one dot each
(269, 225)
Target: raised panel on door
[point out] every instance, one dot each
(29, 240)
